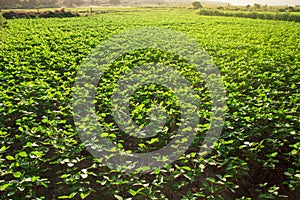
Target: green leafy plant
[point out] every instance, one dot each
(3, 23)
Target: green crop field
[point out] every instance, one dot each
(256, 156)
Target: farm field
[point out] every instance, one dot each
(275, 15)
(256, 156)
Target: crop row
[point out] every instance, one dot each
(252, 15)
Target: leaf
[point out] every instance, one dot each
(183, 140)
(43, 184)
(84, 195)
(3, 187)
(10, 158)
(64, 176)
(23, 154)
(211, 179)
(145, 168)
(153, 140)
(84, 176)
(3, 148)
(187, 168)
(133, 192)
(11, 193)
(118, 197)
(17, 174)
(30, 144)
(34, 178)
(70, 164)
(68, 197)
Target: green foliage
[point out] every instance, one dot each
(3, 23)
(47, 14)
(257, 156)
(252, 15)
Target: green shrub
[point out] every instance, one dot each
(3, 23)
(252, 15)
(47, 14)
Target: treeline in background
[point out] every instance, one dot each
(10, 4)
